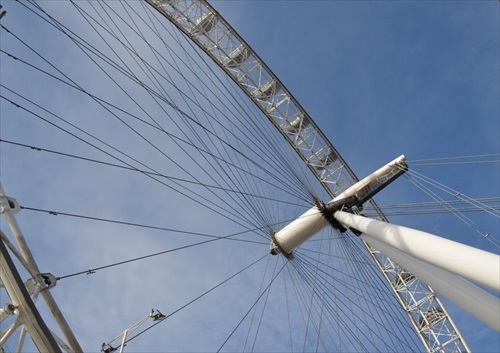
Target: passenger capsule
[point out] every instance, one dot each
(298, 123)
(237, 57)
(205, 23)
(266, 91)
(325, 160)
(431, 317)
(404, 277)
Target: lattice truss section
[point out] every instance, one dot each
(209, 31)
(428, 315)
(202, 24)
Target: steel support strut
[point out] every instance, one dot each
(431, 258)
(440, 262)
(8, 207)
(27, 313)
(474, 264)
(318, 217)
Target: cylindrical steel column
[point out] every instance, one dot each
(463, 293)
(474, 264)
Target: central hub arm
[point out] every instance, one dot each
(294, 234)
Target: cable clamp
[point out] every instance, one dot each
(9, 204)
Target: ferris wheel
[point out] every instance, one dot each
(165, 162)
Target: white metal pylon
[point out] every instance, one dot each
(22, 307)
(431, 258)
(440, 262)
(29, 319)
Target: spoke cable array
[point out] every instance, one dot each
(457, 160)
(421, 181)
(185, 128)
(457, 213)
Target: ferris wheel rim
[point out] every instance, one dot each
(191, 29)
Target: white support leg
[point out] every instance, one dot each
(477, 265)
(463, 293)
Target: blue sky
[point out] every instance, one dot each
(379, 78)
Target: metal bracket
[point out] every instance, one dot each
(49, 280)
(10, 204)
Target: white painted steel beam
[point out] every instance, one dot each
(301, 229)
(8, 207)
(311, 222)
(476, 265)
(27, 312)
(372, 181)
(463, 293)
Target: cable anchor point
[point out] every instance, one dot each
(3, 13)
